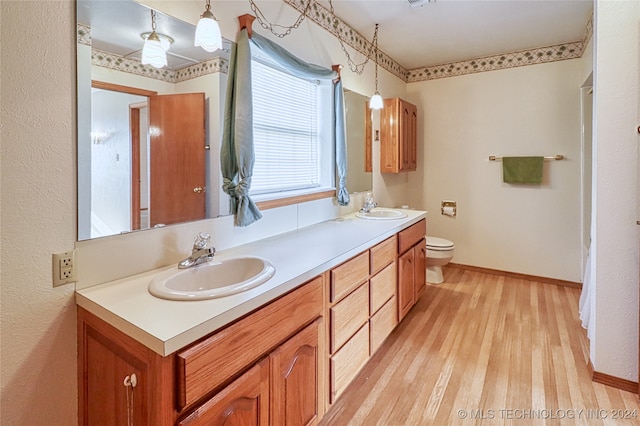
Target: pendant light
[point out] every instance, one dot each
(152, 51)
(376, 100)
(208, 34)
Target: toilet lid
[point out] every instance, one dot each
(439, 243)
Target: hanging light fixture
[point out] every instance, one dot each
(153, 51)
(208, 34)
(376, 100)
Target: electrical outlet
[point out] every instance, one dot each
(64, 268)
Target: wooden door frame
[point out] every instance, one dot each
(134, 136)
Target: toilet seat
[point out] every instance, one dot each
(439, 244)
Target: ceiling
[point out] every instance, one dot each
(447, 31)
(435, 33)
(116, 26)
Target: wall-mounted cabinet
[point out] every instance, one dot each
(398, 136)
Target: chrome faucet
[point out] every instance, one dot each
(200, 253)
(368, 204)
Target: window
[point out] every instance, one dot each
(292, 133)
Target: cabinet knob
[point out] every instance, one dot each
(131, 381)
(199, 189)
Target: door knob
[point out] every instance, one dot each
(199, 189)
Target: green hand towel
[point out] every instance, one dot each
(526, 170)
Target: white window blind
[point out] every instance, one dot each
(285, 131)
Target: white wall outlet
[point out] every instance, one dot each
(64, 268)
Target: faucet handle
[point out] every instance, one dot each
(202, 240)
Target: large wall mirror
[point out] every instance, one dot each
(148, 139)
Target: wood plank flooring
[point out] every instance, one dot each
(485, 349)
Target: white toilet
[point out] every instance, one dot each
(439, 253)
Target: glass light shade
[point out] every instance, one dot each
(165, 43)
(208, 34)
(153, 53)
(376, 101)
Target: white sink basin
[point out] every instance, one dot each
(212, 279)
(382, 214)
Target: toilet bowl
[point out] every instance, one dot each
(439, 253)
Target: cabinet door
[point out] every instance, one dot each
(408, 136)
(245, 402)
(115, 384)
(295, 379)
(406, 271)
(389, 128)
(420, 273)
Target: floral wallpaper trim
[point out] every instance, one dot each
(323, 17)
(83, 33)
(211, 66)
(498, 62)
(119, 63)
(115, 62)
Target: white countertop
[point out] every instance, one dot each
(166, 326)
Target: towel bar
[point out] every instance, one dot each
(555, 157)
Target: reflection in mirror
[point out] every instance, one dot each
(359, 176)
(108, 51)
(147, 138)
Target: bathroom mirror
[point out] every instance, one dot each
(147, 137)
(359, 176)
(113, 86)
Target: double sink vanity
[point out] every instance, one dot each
(270, 332)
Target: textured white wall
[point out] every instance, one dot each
(38, 212)
(533, 110)
(614, 349)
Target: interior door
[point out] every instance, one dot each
(177, 158)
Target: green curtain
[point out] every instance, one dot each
(236, 154)
(340, 130)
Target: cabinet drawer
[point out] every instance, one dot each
(348, 361)
(346, 277)
(382, 287)
(348, 316)
(383, 323)
(383, 254)
(210, 363)
(250, 391)
(408, 237)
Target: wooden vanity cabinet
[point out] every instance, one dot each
(108, 392)
(281, 389)
(398, 136)
(411, 267)
(282, 364)
(266, 365)
(361, 312)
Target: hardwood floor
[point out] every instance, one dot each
(485, 349)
